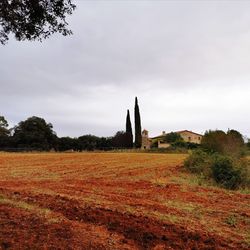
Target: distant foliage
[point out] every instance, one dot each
(230, 143)
(34, 132)
(173, 138)
(67, 143)
(84, 143)
(92, 142)
(121, 140)
(214, 141)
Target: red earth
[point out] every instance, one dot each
(115, 201)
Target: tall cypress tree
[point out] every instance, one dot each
(129, 132)
(138, 137)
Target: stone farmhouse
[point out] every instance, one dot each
(188, 136)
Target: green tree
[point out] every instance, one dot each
(230, 143)
(34, 19)
(129, 131)
(67, 143)
(4, 127)
(173, 137)
(5, 139)
(214, 141)
(88, 142)
(35, 133)
(235, 143)
(138, 136)
(120, 140)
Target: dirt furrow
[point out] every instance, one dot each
(146, 232)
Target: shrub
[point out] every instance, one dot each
(228, 172)
(198, 162)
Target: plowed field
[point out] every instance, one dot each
(115, 201)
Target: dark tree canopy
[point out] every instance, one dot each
(67, 143)
(138, 136)
(35, 133)
(92, 142)
(34, 19)
(120, 140)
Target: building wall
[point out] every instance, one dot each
(146, 142)
(190, 137)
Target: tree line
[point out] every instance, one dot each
(35, 133)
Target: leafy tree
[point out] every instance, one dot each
(5, 139)
(235, 142)
(35, 133)
(67, 143)
(104, 143)
(214, 141)
(85, 142)
(138, 136)
(129, 131)
(120, 140)
(34, 19)
(173, 137)
(88, 142)
(4, 127)
(230, 143)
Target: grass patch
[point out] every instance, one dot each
(188, 207)
(231, 220)
(45, 213)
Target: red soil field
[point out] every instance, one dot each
(115, 201)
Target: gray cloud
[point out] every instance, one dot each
(187, 61)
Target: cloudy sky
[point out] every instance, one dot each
(188, 62)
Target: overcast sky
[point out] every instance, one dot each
(188, 62)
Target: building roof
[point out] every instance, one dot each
(178, 132)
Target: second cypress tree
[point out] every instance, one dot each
(129, 132)
(138, 137)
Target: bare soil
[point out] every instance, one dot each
(115, 201)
